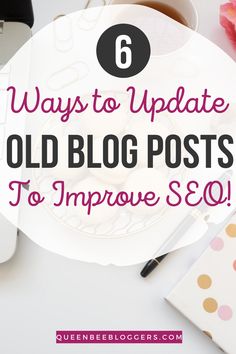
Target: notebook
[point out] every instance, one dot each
(207, 294)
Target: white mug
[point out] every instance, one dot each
(185, 7)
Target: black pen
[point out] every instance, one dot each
(151, 265)
(181, 229)
(173, 239)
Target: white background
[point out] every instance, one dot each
(41, 292)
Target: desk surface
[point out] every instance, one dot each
(41, 292)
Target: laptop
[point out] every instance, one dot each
(16, 20)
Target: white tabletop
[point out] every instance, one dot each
(41, 292)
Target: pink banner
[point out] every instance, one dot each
(119, 337)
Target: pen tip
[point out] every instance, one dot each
(148, 268)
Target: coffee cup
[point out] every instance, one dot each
(185, 9)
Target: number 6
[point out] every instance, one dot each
(119, 50)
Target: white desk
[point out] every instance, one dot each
(41, 292)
